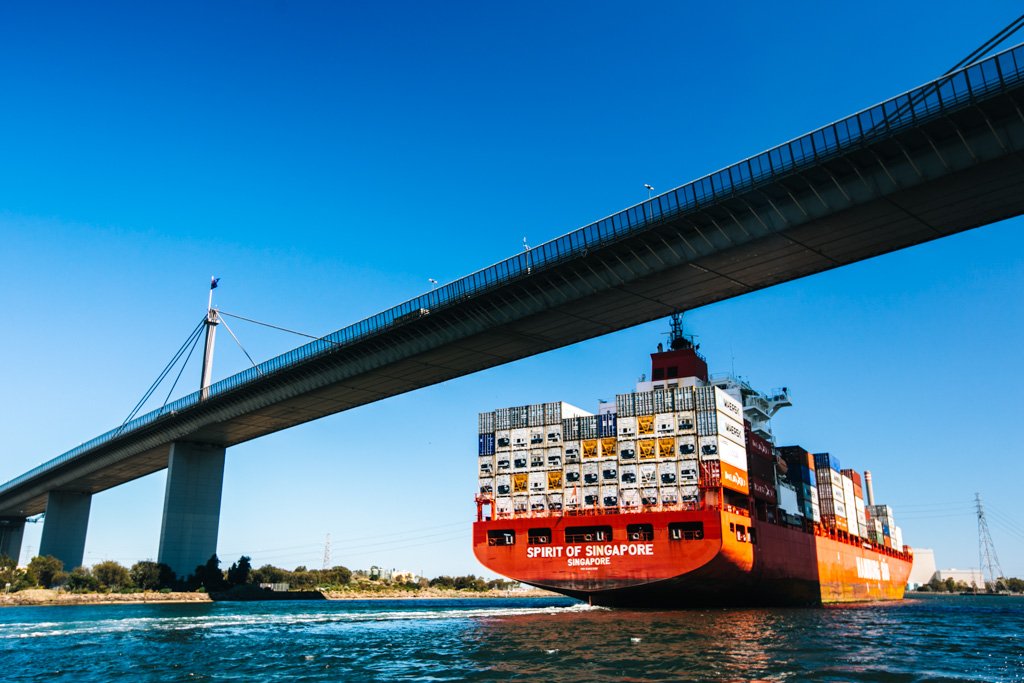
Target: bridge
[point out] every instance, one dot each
(937, 160)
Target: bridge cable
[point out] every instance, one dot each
(276, 327)
(183, 366)
(192, 337)
(228, 328)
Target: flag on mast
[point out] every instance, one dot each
(213, 282)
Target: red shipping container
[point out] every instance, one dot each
(762, 490)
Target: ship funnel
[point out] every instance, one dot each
(869, 487)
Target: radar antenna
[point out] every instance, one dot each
(676, 339)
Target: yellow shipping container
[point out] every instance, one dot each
(608, 448)
(554, 480)
(666, 447)
(646, 448)
(520, 482)
(589, 447)
(645, 424)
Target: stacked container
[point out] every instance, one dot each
(721, 447)
(859, 511)
(761, 466)
(831, 496)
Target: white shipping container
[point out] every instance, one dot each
(648, 474)
(787, 498)
(729, 406)
(503, 440)
(503, 485)
(732, 453)
(520, 461)
(554, 433)
(555, 501)
(554, 458)
(649, 495)
(862, 518)
(609, 471)
(683, 399)
(626, 427)
(485, 465)
(669, 495)
(668, 474)
(664, 424)
(815, 506)
(520, 504)
(538, 461)
(627, 451)
(572, 476)
(627, 475)
(689, 493)
(538, 502)
(572, 451)
(591, 496)
(686, 422)
(629, 498)
(707, 447)
(537, 438)
(538, 482)
(520, 437)
(503, 462)
(590, 473)
(850, 507)
(503, 506)
(686, 446)
(571, 497)
(689, 472)
(610, 495)
(486, 486)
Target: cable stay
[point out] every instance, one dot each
(279, 328)
(193, 337)
(228, 328)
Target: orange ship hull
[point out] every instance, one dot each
(688, 558)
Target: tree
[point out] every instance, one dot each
(149, 575)
(9, 573)
(238, 573)
(41, 570)
(112, 575)
(951, 585)
(268, 573)
(209, 575)
(81, 580)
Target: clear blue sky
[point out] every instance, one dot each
(326, 159)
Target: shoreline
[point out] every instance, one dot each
(45, 597)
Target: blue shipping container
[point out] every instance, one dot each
(824, 460)
(606, 425)
(486, 444)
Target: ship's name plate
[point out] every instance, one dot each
(590, 554)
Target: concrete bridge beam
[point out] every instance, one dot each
(12, 529)
(65, 526)
(188, 533)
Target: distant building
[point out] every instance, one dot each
(924, 568)
(971, 577)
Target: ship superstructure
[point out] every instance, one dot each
(676, 494)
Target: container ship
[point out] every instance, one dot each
(676, 495)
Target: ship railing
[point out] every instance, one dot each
(584, 510)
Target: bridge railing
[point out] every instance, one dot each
(943, 95)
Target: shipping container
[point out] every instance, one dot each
(535, 415)
(486, 485)
(520, 438)
(554, 434)
(848, 502)
(537, 439)
(648, 474)
(711, 423)
(626, 427)
(662, 400)
(485, 423)
(554, 482)
(729, 406)
(683, 399)
(588, 427)
(572, 451)
(734, 478)
(645, 425)
(826, 461)
(520, 417)
(503, 485)
(704, 398)
(504, 462)
(570, 429)
(572, 475)
(646, 449)
(606, 425)
(538, 481)
(520, 461)
(649, 496)
(669, 495)
(625, 405)
(502, 419)
(553, 414)
(627, 475)
(485, 444)
(667, 448)
(503, 440)
(609, 470)
(588, 448)
(689, 472)
(689, 493)
(629, 498)
(538, 502)
(758, 446)
(732, 453)
(664, 424)
(503, 506)
(591, 496)
(687, 445)
(644, 403)
(610, 495)
(609, 447)
(590, 473)
(763, 490)
(686, 423)
(668, 473)
(571, 498)
(707, 447)
(520, 482)
(627, 451)
(554, 459)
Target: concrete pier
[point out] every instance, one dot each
(188, 533)
(12, 529)
(65, 526)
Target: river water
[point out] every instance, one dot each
(924, 639)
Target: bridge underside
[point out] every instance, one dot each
(949, 175)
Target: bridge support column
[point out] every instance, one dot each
(65, 526)
(188, 533)
(11, 531)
